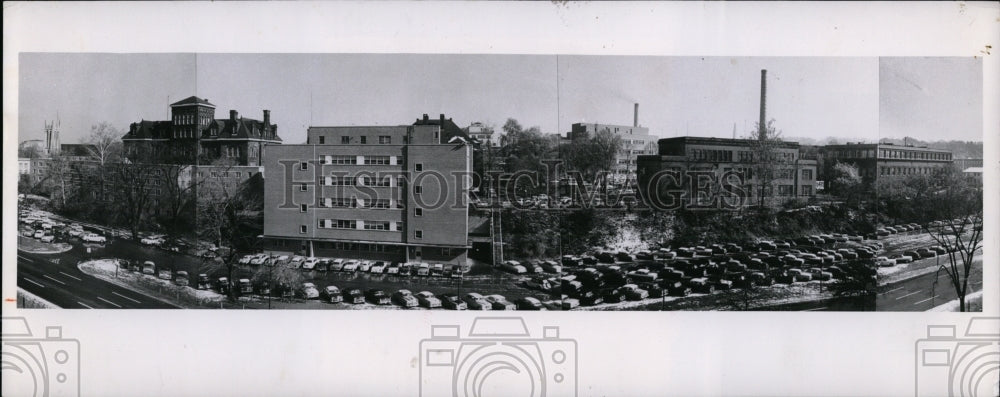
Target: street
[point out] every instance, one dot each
(60, 282)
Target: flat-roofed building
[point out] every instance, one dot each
(793, 175)
(885, 160)
(393, 193)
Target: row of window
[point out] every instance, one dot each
(347, 140)
(385, 181)
(353, 160)
(906, 170)
(351, 202)
(342, 246)
(367, 225)
(189, 119)
(889, 154)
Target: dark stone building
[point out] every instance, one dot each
(194, 136)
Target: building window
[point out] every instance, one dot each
(303, 166)
(340, 160)
(364, 140)
(376, 225)
(322, 139)
(345, 140)
(437, 134)
(418, 167)
(784, 190)
(341, 181)
(418, 212)
(376, 160)
(418, 190)
(384, 139)
(377, 203)
(418, 234)
(303, 208)
(302, 229)
(303, 187)
(806, 190)
(807, 174)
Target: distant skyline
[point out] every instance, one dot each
(808, 97)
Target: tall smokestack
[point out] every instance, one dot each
(763, 101)
(635, 116)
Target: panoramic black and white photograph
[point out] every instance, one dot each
(499, 182)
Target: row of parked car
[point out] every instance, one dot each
(422, 269)
(425, 299)
(46, 229)
(912, 255)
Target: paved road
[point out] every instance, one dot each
(920, 294)
(67, 287)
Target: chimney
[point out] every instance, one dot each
(442, 119)
(267, 120)
(763, 101)
(232, 115)
(425, 117)
(635, 116)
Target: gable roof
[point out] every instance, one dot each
(448, 128)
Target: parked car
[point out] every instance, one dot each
(634, 293)
(260, 259)
(94, 238)
(423, 269)
(245, 259)
(204, 282)
(900, 258)
(152, 240)
(913, 254)
(377, 296)
(552, 266)
(614, 295)
(404, 298)
(309, 263)
(48, 238)
(332, 294)
(365, 266)
(406, 268)
(306, 291)
(476, 302)
(428, 300)
(336, 265)
(245, 286)
(437, 270)
(499, 302)
(800, 275)
(514, 267)
(528, 303)
(883, 261)
(354, 296)
(222, 284)
(165, 274)
(350, 266)
(377, 268)
(641, 275)
(569, 304)
(181, 278)
(701, 285)
(535, 267)
(590, 298)
(452, 302)
(819, 274)
(926, 252)
(392, 268)
(39, 234)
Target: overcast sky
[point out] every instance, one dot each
(807, 97)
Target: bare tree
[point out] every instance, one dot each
(766, 160)
(132, 195)
(178, 185)
(104, 143)
(958, 201)
(231, 215)
(58, 178)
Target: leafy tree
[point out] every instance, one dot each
(28, 151)
(845, 181)
(591, 155)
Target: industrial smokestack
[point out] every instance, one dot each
(635, 116)
(763, 102)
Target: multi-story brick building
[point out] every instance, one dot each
(885, 160)
(194, 136)
(396, 193)
(636, 141)
(793, 175)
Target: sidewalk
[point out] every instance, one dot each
(953, 305)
